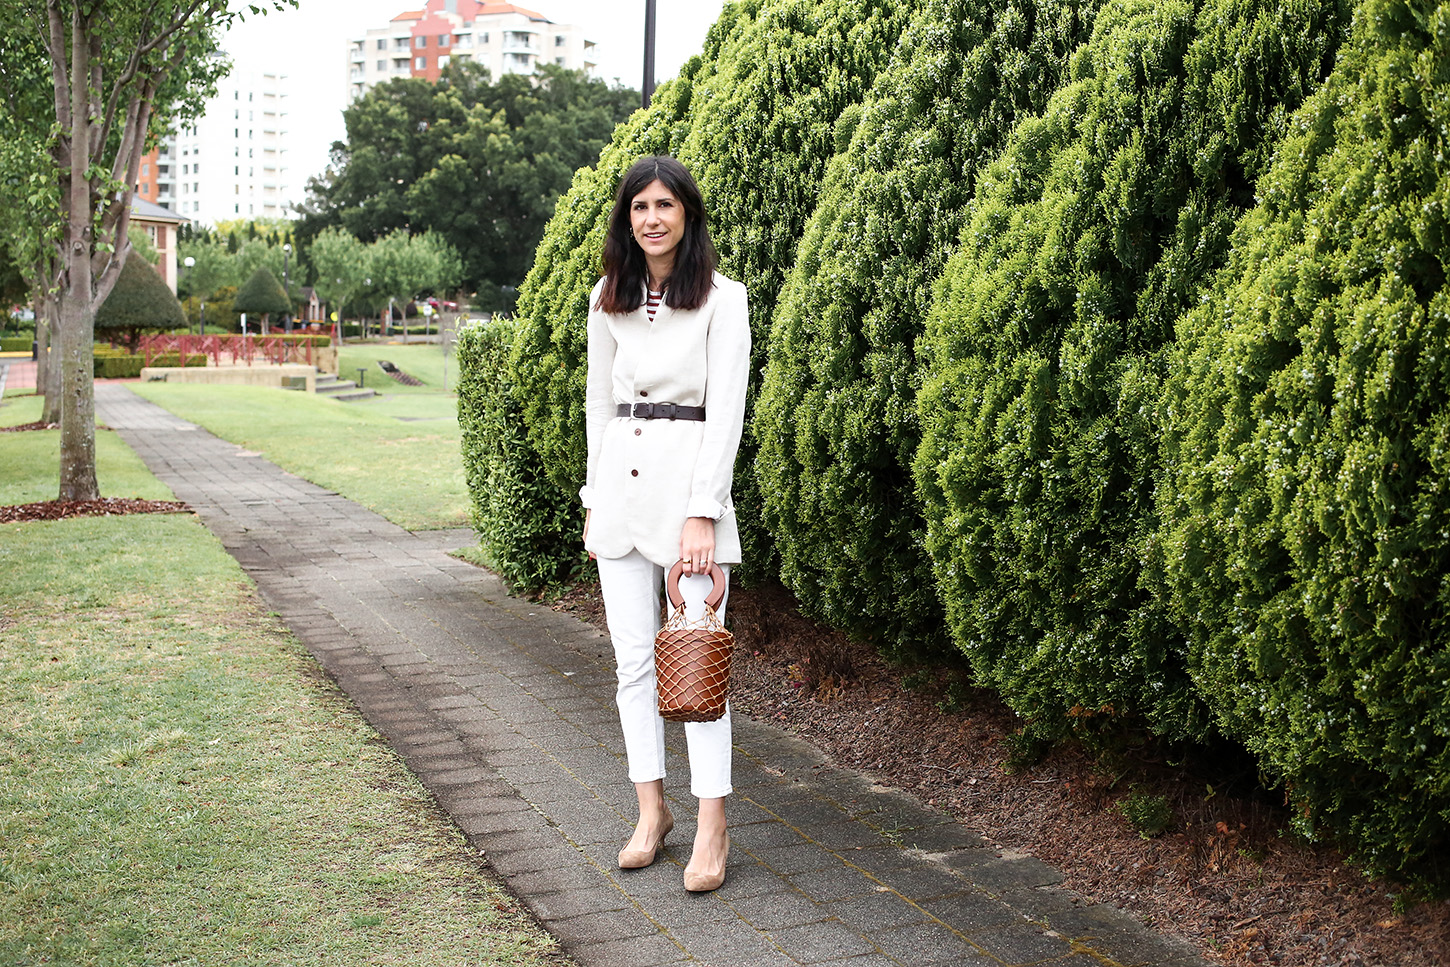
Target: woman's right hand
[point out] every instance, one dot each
(585, 538)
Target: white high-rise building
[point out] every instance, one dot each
(504, 37)
(232, 161)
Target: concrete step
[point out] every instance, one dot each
(353, 396)
(333, 386)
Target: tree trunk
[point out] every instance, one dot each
(47, 373)
(78, 413)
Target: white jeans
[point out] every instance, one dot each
(631, 586)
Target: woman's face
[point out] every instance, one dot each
(658, 221)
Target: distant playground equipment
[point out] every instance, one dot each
(398, 374)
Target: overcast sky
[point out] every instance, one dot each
(309, 44)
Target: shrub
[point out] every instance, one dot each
(1306, 504)
(836, 418)
(763, 125)
(530, 527)
(1100, 224)
(1149, 814)
(141, 300)
(16, 344)
(755, 119)
(110, 364)
(261, 295)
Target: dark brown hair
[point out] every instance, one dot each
(624, 265)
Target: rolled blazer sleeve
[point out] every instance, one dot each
(727, 372)
(598, 397)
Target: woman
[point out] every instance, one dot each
(669, 356)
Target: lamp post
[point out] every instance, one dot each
(647, 89)
(190, 263)
(287, 285)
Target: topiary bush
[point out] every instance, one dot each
(836, 417)
(1306, 497)
(1101, 223)
(140, 301)
(528, 525)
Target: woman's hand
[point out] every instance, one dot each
(585, 537)
(697, 545)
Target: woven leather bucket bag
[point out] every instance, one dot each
(692, 659)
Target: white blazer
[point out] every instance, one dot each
(645, 477)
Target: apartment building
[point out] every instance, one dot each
(229, 163)
(504, 37)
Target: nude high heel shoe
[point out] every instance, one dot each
(705, 882)
(636, 859)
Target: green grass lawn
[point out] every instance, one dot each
(30, 461)
(397, 455)
(180, 784)
(426, 362)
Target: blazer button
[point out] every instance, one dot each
(634, 473)
(638, 431)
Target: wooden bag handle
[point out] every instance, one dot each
(712, 600)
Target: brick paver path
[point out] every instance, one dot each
(505, 710)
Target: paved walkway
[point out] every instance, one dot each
(505, 711)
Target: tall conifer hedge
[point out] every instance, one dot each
(1307, 465)
(836, 416)
(1098, 227)
(755, 118)
(526, 522)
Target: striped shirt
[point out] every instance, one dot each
(652, 302)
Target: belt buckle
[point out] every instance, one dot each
(640, 411)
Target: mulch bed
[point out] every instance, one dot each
(104, 507)
(1223, 875)
(29, 426)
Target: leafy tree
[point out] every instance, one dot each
(405, 266)
(141, 244)
(1101, 224)
(836, 415)
(13, 287)
(480, 162)
(213, 267)
(28, 190)
(342, 265)
(1306, 499)
(140, 301)
(113, 64)
(262, 295)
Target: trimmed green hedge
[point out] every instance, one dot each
(1306, 496)
(16, 344)
(836, 416)
(765, 119)
(110, 364)
(1109, 328)
(531, 529)
(1101, 224)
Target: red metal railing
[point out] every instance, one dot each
(235, 349)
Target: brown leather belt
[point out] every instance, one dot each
(660, 411)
